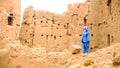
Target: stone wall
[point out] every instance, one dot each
(9, 21)
(56, 32)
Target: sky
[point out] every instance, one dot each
(56, 6)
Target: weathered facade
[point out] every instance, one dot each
(9, 21)
(56, 32)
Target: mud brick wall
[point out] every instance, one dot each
(102, 19)
(53, 31)
(103, 22)
(56, 32)
(12, 7)
(27, 33)
(44, 28)
(9, 21)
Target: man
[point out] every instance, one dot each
(86, 40)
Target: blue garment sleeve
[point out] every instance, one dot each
(88, 36)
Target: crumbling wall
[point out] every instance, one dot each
(12, 7)
(27, 30)
(76, 13)
(44, 28)
(93, 21)
(9, 21)
(56, 32)
(102, 19)
(103, 22)
(53, 31)
(113, 20)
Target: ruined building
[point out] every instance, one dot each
(56, 32)
(9, 21)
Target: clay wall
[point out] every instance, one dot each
(56, 32)
(9, 21)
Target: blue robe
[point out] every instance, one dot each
(86, 40)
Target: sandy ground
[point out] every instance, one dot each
(16, 55)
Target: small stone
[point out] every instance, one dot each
(74, 49)
(116, 61)
(88, 62)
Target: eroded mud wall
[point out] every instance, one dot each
(9, 21)
(56, 32)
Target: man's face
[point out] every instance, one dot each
(84, 30)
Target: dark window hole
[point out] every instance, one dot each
(41, 21)
(25, 41)
(91, 48)
(105, 22)
(69, 34)
(80, 35)
(64, 25)
(73, 53)
(10, 19)
(109, 2)
(53, 21)
(85, 20)
(33, 35)
(41, 34)
(91, 34)
(67, 23)
(60, 36)
(108, 40)
(91, 24)
(58, 24)
(54, 37)
(17, 25)
(46, 36)
(51, 35)
(99, 24)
